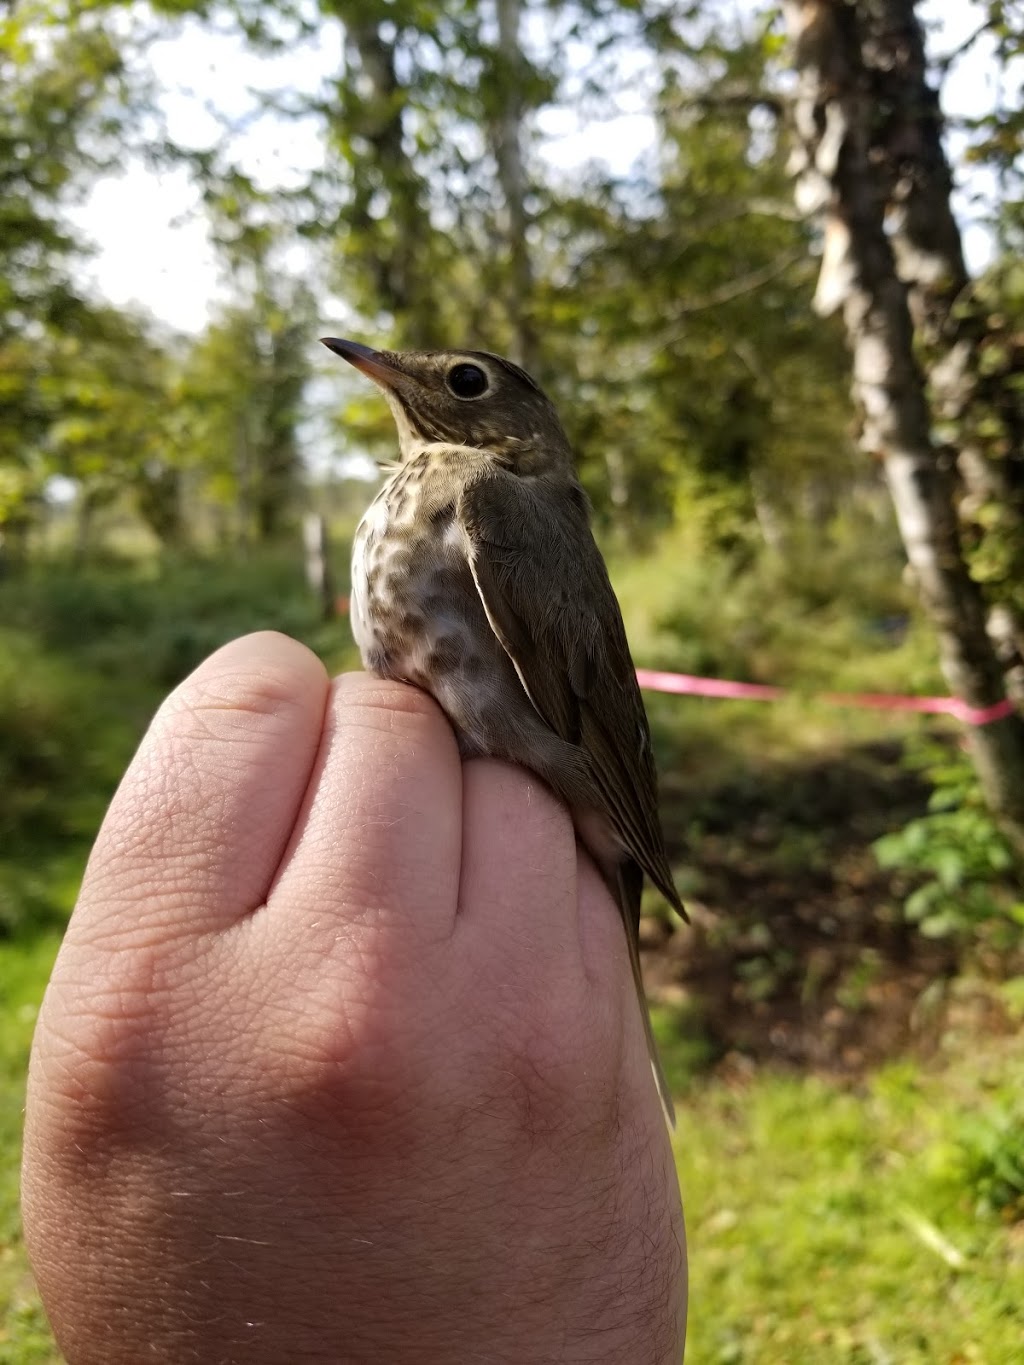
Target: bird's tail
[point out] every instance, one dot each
(629, 889)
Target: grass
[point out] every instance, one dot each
(839, 1225)
(24, 967)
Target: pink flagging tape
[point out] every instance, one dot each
(689, 685)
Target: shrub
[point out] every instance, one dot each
(962, 863)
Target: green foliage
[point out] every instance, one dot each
(56, 125)
(43, 740)
(24, 967)
(239, 403)
(703, 378)
(996, 137)
(146, 626)
(85, 659)
(65, 735)
(685, 1049)
(988, 1159)
(816, 614)
(58, 121)
(107, 390)
(821, 1225)
(963, 863)
(994, 530)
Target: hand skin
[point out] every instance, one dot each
(340, 1060)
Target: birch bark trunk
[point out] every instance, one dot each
(838, 178)
(950, 320)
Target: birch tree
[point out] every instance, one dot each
(892, 264)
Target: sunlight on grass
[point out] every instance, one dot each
(826, 1224)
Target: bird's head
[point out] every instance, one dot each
(465, 398)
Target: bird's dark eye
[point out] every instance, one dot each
(467, 381)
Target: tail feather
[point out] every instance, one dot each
(629, 887)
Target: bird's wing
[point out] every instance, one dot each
(559, 622)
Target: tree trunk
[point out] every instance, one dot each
(397, 228)
(87, 505)
(277, 472)
(951, 322)
(158, 497)
(317, 558)
(838, 177)
(506, 140)
(244, 475)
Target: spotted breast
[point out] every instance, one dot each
(415, 610)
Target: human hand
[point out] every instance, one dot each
(340, 1060)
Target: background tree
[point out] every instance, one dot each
(64, 96)
(242, 392)
(874, 172)
(107, 388)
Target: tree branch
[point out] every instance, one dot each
(745, 284)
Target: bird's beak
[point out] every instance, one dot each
(374, 364)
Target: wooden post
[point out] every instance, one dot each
(317, 559)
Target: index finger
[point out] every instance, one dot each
(196, 830)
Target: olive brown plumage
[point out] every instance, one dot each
(475, 575)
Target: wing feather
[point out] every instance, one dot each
(558, 620)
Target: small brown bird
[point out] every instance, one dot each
(475, 576)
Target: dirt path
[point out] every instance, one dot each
(799, 952)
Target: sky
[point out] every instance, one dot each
(153, 245)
